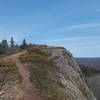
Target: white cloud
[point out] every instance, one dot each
(76, 27)
(69, 39)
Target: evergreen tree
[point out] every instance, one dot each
(24, 44)
(4, 44)
(2, 50)
(12, 42)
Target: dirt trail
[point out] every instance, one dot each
(26, 83)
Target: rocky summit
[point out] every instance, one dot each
(42, 73)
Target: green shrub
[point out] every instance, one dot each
(88, 70)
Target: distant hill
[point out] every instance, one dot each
(92, 76)
(92, 62)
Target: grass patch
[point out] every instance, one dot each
(35, 57)
(39, 51)
(6, 63)
(9, 69)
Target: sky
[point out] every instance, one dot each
(74, 24)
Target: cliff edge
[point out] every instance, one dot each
(75, 86)
(52, 72)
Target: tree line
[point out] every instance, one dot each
(4, 45)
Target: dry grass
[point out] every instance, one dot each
(34, 57)
(6, 63)
(8, 67)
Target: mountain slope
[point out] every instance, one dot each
(69, 66)
(54, 74)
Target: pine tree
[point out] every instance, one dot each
(12, 42)
(4, 44)
(24, 44)
(2, 50)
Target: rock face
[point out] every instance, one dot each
(11, 91)
(56, 72)
(75, 86)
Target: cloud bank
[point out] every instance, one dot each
(76, 27)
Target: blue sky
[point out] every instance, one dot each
(74, 24)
